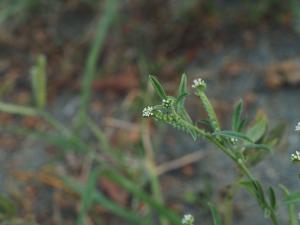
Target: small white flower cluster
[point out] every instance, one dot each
(167, 102)
(295, 156)
(297, 128)
(198, 83)
(148, 111)
(187, 219)
(234, 140)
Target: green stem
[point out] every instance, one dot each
(240, 163)
(274, 218)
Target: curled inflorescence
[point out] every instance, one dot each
(187, 219)
(295, 157)
(148, 111)
(199, 83)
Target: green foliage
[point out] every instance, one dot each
(16, 9)
(293, 218)
(158, 87)
(90, 70)
(215, 215)
(244, 148)
(237, 122)
(7, 207)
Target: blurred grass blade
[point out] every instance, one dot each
(215, 214)
(38, 82)
(63, 142)
(109, 14)
(158, 87)
(293, 217)
(87, 196)
(106, 203)
(16, 109)
(103, 141)
(140, 194)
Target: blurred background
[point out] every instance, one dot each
(77, 150)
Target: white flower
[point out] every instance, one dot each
(187, 219)
(295, 156)
(233, 140)
(198, 83)
(297, 128)
(167, 102)
(148, 111)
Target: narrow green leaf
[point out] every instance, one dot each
(182, 93)
(87, 196)
(242, 124)
(215, 214)
(232, 134)
(180, 100)
(193, 134)
(275, 134)
(292, 198)
(38, 82)
(272, 198)
(249, 185)
(236, 116)
(182, 90)
(260, 193)
(257, 131)
(257, 147)
(158, 87)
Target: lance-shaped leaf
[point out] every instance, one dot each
(257, 147)
(158, 87)
(292, 198)
(258, 130)
(182, 93)
(272, 198)
(215, 214)
(236, 116)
